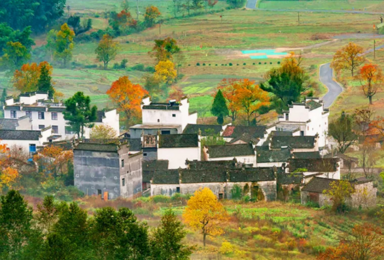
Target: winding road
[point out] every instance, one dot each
(334, 88)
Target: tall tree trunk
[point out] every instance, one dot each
(370, 100)
(204, 237)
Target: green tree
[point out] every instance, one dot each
(167, 242)
(342, 130)
(47, 214)
(57, 247)
(45, 82)
(236, 3)
(219, 107)
(106, 50)
(15, 55)
(51, 43)
(15, 225)
(64, 44)
(118, 235)
(3, 96)
(79, 113)
(10, 35)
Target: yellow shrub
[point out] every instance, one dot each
(226, 248)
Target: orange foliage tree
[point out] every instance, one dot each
(26, 79)
(367, 243)
(8, 175)
(205, 213)
(350, 57)
(372, 78)
(53, 160)
(151, 14)
(127, 97)
(243, 97)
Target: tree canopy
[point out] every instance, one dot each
(342, 130)
(219, 107)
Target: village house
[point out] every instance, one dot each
(244, 134)
(44, 113)
(309, 117)
(295, 143)
(271, 158)
(364, 195)
(311, 167)
(107, 170)
(258, 183)
(21, 123)
(205, 130)
(347, 163)
(244, 153)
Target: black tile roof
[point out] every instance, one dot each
(203, 176)
(313, 104)
(293, 141)
(162, 106)
(252, 174)
(206, 130)
(20, 134)
(65, 145)
(246, 138)
(289, 178)
(8, 124)
(212, 165)
(34, 108)
(178, 141)
(236, 131)
(266, 156)
(281, 133)
(97, 147)
(318, 185)
(306, 155)
(231, 150)
(12, 107)
(99, 116)
(56, 109)
(166, 177)
(314, 165)
(149, 168)
(135, 144)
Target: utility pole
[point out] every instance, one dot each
(137, 12)
(374, 49)
(298, 18)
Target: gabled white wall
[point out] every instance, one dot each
(178, 156)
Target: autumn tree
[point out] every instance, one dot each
(165, 49)
(286, 82)
(339, 192)
(79, 113)
(54, 160)
(350, 57)
(167, 239)
(15, 55)
(219, 107)
(64, 44)
(103, 132)
(342, 130)
(205, 213)
(107, 50)
(228, 88)
(165, 71)
(127, 97)
(365, 243)
(175, 93)
(371, 78)
(26, 79)
(151, 14)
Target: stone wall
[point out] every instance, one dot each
(132, 174)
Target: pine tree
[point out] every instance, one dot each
(219, 107)
(45, 82)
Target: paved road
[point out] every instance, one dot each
(251, 4)
(334, 89)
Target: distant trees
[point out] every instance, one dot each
(205, 213)
(35, 13)
(164, 49)
(78, 27)
(219, 107)
(339, 192)
(8, 34)
(236, 3)
(106, 50)
(372, 78)
(342, 130)
(151, 14)
(64, 44)
(15, 55)
(79, 113)
(350, 57)
(286, 83)
(365, 243)
(127, 97)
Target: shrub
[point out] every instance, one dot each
(150, 69)
(311, 204)
(230, 64)
(246, 198)
(259, 63)
(142, 199)
(244, 63)
(236, 192)
(116, 66)
(216, 65)
(141, 211)
(139, 67)
(198, 64)
(93, 66)
(123, 63)
(161, 199)
(203, 64)
(227, 248)
(318, 249)
(254, 63)
(278, 62)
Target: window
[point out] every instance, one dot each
(98, 192)
(55, 129)
(173, 115)
(301, 133)
(158, 120)
(123, 182)
(13, 114)
(54, 116)
(41, 127)
(178, 189)
(165, 132)
(286, 116)
(32, 148)
(28, 114)
(144, 154)
(41, 115)
(122, 163)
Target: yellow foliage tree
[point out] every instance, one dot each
(205, 213)
(349, 57)
(165, 70)
(103, 132)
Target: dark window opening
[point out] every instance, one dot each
(41, 127)
(221, 196)
(158, 120)
(302, 133)
(13, 114)
(123, 182)
(122, 163)
(173, 115)
(165, 132)
(54, 116)
(286, 116)
(41, 115)
(144, 154)
(178, 189)
(55, 129)
(98, 192)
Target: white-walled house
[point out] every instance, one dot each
(26, 140)
(168, 118)
(21, 123)
(46, 113)
(309, 117)
(243, 153)
(178, 148)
